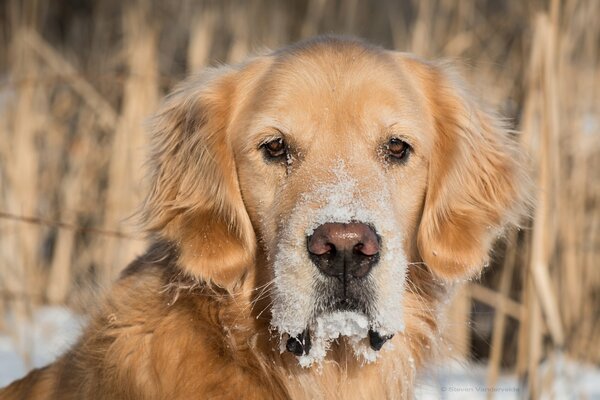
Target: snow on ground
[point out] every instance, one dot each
(456, 381)
(35, 343)
(464, 382)
(53, 329)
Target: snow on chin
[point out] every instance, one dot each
(329, 327)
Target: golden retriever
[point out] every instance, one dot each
(312, 212)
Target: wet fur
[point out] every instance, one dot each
(187, 320)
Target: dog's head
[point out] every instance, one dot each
(333, 167)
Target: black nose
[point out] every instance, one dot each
(344, 250)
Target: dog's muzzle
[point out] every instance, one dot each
(345, 253)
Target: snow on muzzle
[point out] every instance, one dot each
(339, 271)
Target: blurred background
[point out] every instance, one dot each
(78, 78)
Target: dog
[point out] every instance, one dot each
(312, 212)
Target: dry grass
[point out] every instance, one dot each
(77, 80)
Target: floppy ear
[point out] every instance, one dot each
(477, 183)
(194, 200)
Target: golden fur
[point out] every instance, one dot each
(190, 318)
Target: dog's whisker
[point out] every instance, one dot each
(255, 302)
(423, 302)
(264, 309)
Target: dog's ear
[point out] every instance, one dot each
(477, 184)
(195, 201)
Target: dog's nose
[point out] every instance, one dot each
(344, 250)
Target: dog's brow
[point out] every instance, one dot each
(266, 123)
(406, 130)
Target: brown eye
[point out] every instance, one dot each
(398, 150)
(274, 149)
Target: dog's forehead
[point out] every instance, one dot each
(330, 89)
(340, 78)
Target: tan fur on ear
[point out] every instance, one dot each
(477, 185)
(195, 201)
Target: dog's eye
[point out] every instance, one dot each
(274, 149)
(397, 149)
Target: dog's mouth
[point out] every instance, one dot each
(344, 314)
(301, 344)
(351, 329)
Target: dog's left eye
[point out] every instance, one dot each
(397, 149)
(275, 149)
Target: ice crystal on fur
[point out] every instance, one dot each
(352, 325)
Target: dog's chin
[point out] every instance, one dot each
(343, 325)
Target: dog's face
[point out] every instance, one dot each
(331, 168)
(332, 163)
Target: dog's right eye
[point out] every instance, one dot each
(275, 149)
